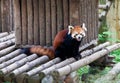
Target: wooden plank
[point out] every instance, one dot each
(42, 22)
(48, 24)
(53, 18)
(24, 21)
(5, 15)
(0, 18)
(59, 15)
(11, 23)
(30, 21)
(74, 12)
(66, 13)
(36, 21)
(17, 21)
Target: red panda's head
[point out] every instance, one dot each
(77, 32)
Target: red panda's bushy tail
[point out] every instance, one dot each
(42, 51)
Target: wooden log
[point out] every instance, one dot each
(7, 38)
(88, 45)
(19, 57)
(24, 21)
(59, 15)
(53, 19)
(42, 27)
(85, 61)
(7, 50)
(48, 23)
(17, 22)
(10, 55)
(95, 49)
(111, 74)
(54, 67)
(29, 65)
(17, 64)
(3, 34)
(66, 13)
(42, 67)
(5, 15)
(74, 12)
(30, 21)
(7, 43)
(36, 21)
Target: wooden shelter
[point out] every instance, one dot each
(38, 21)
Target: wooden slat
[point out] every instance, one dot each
(24, 21)
(66, 13)
(11, 27)
(59, 15)
(30, 21)
(0, 18)
(74, 12)
(17, 21)
(42, 22)
(36, 21)
(5, 14)
(48, 24)
(53, 18)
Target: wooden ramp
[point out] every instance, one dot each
(20, 68)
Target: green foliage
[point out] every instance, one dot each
(116, 53)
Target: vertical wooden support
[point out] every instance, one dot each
(24, 21)
(5, 15)
(48, 24)
(17, 21)
(0, 18)
(30, 21)
(42, 25)
(36, 21)
(74, 12)
(66, 13)
(59, 15)
(53, 18)
(11, 23)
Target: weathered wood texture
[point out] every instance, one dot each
(6, 15)
(42, 19)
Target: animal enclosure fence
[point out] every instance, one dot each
(38, 21)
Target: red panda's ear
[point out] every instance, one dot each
(70, 29)
(83, 27)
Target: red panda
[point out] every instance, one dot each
(65, 45)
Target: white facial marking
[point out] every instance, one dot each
(83, 26)
(70, 28)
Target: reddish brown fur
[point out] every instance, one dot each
(77, 29)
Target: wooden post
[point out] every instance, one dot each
(30, 21)
(66, 13)
(53, 18)
(74, 12)
(59, 15)
(17, 22)
(42, 26)
(36, 21)
(48, 24)
(24, 21)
